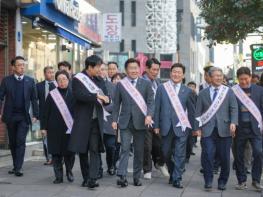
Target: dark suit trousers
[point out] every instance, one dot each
(17, 132)
(174, 147)
(152, 151)
(90, 165)
(58, 164)
(244, 135)
(110, 146)
(210, 145)
(138, 142)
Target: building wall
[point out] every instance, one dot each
(129, 32)
(7, 52)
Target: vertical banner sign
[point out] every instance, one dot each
(112, 27)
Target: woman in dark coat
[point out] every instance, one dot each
(57, 130)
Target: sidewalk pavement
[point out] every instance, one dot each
(37, 182)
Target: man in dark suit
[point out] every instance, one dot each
(87, 132)
(248, 129)
(166, 121)
(206, 78)
(43, 89)
(217, 115)
(110, 140)
(133, 120)
(153, 142)
(18, 91)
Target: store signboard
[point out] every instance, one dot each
(111, 27)
(69, 8)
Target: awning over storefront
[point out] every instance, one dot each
(72, 37)
(55, 21)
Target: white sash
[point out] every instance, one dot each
(135, 94)
(249, 104)
(177, 105)
(206, 117)
(93, 88)
(63, 109)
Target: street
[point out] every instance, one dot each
(37, 182)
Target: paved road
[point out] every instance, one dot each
(37, 182)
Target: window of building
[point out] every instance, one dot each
(133, 45)
(122, 46)
(122, 12)
(133, 13)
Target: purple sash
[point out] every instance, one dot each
(63, 109)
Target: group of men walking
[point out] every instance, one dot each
(95, 111)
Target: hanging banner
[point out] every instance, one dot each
(111, 27)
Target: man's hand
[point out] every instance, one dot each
(148, 121)
(114, 125)
(156, 131)
(233, 129)
(197, 133)
(104, 99)
(34, 120)
(44, 133)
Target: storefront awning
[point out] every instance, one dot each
(71, 36)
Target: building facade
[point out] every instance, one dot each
(46, 32)
(190, 51)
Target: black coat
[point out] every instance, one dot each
(83, 111)
(54, 124)
(41, 93)
(7, 93)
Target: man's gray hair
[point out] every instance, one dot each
(214, 69)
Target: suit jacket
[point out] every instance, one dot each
(55, 125)
(129, 108)
(83, 112)
(109, 108)
(226, 114)
(257, 98)
(7, 93)
(41, 93)
(165, 116)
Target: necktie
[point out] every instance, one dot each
(19, 78)
(215, 93)
(133, 82)
(50, 86)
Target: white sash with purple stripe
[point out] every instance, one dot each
(63, 109)
(135, 94)
(93, 88)
(249, 104)
(206, 117)
(177, 105)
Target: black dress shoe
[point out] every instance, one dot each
(84, 183)
(11, 171)
(70, 176)
(221, 187)
(92, 184)
(137, 182)
(202, 171)
(19, 173)
(122, 181)
(58, 181)
(111, 171)
(208, 186)
(178, 184)
(192, 153)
